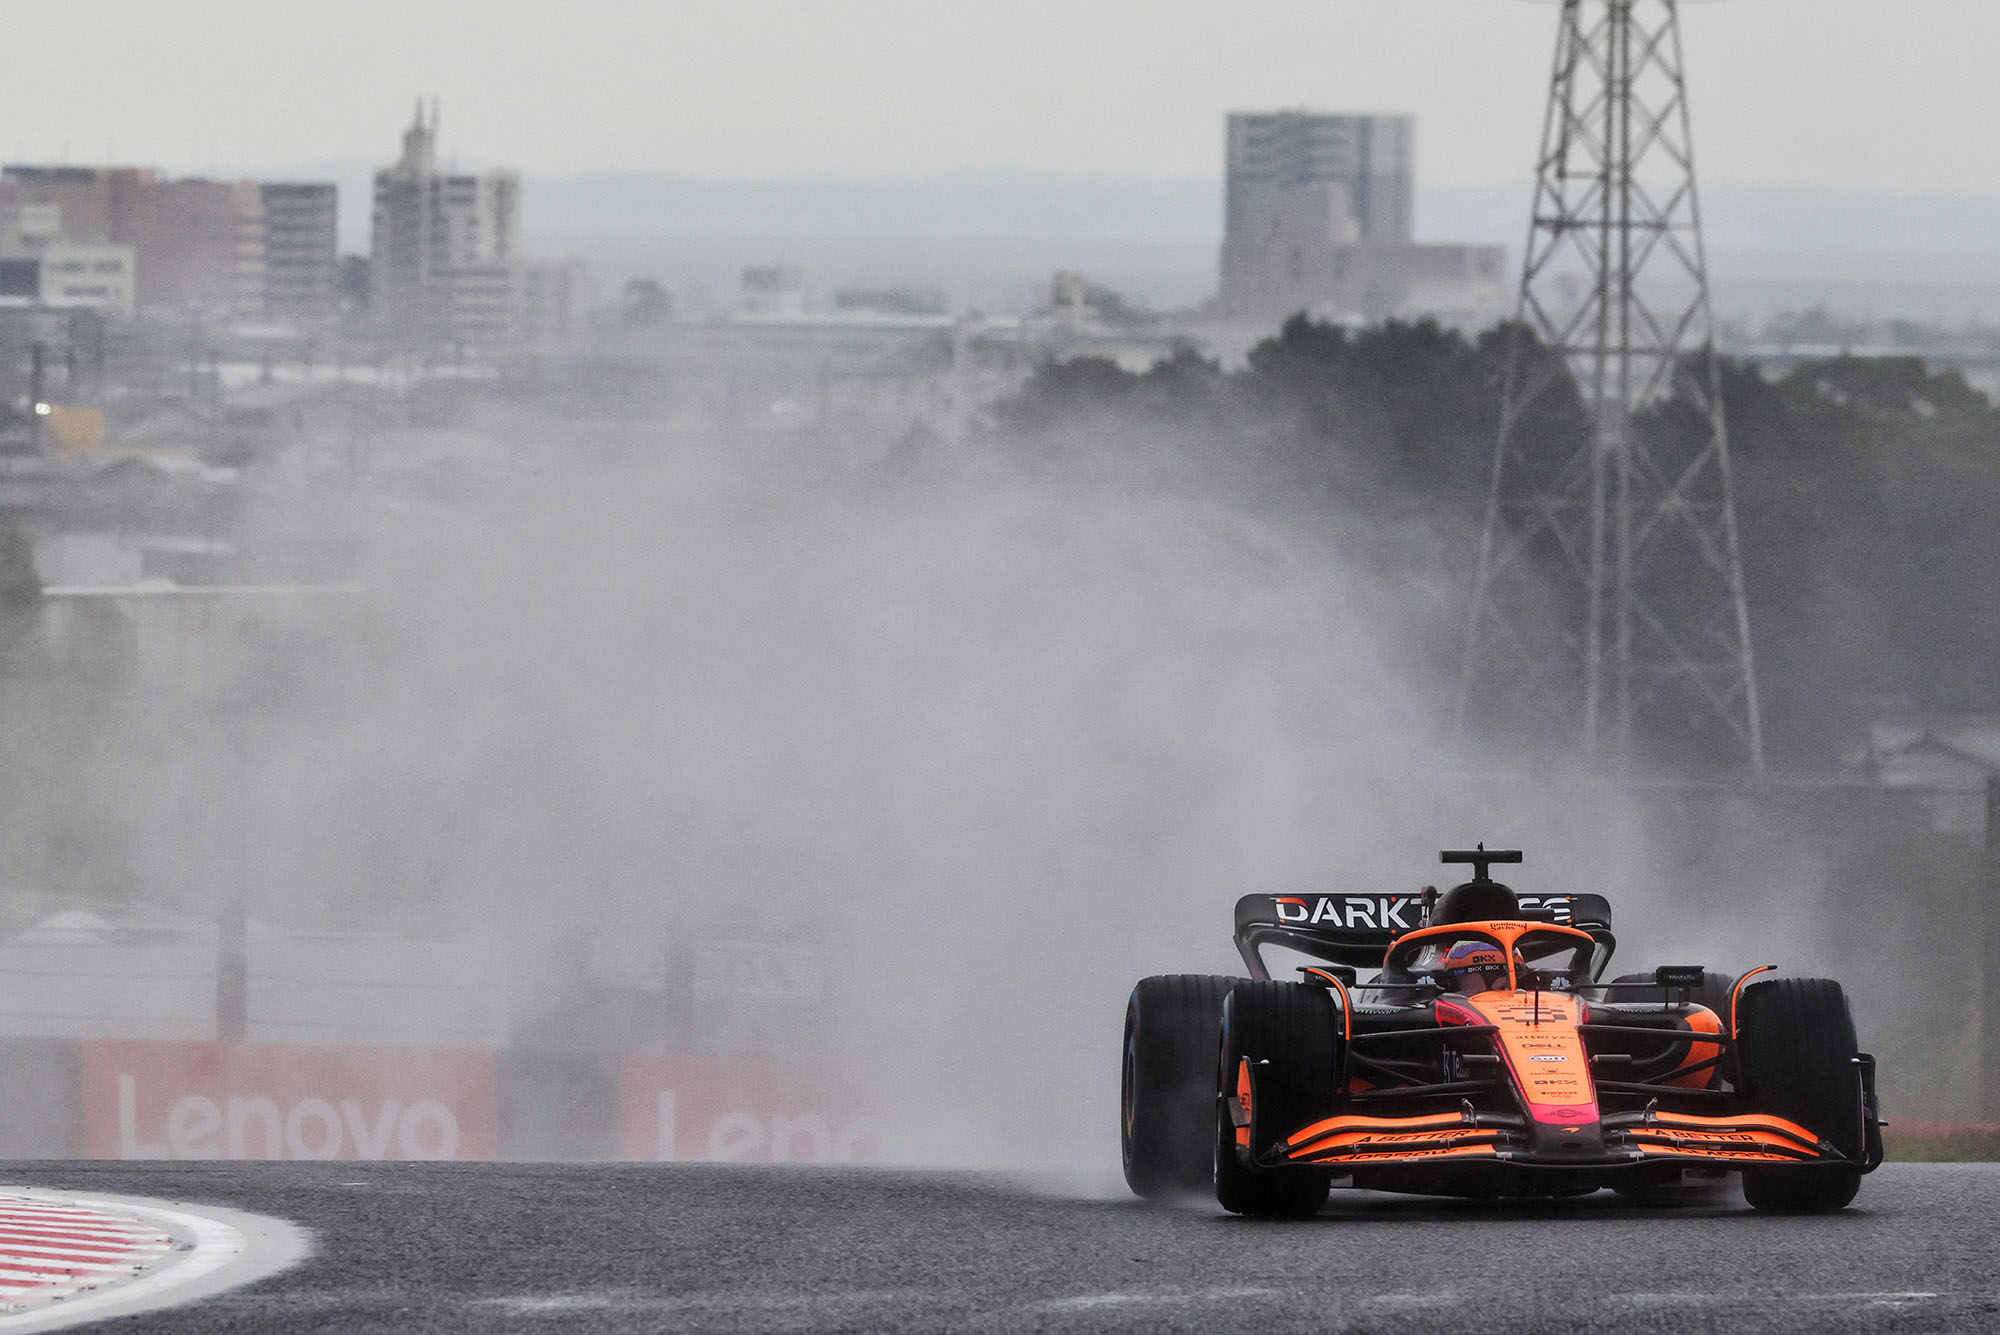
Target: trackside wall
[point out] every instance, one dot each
(166, 1099)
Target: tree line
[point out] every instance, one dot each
(1867, 490)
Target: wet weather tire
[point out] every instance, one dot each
(1795, 1053)
(1290, 1033)
(1167, 1084)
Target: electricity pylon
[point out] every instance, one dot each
(1610, 581)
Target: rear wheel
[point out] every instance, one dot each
(1290, 1033)
(1795, 1052)
(1167, 1083)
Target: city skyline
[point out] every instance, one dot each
(1835, 92)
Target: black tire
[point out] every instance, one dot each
(1291, 1032)
(1167, 1084)
(1795, 1052)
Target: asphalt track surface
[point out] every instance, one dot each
(628, 1248)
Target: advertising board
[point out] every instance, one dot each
(742, 1110)
(170, 1100)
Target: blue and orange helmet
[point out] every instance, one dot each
(1475, 966)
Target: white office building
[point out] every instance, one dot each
(447, 262)
(1320, 216)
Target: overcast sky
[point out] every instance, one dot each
(1884, 93)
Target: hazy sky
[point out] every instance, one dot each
(1895, 93)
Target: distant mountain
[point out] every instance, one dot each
(998, 203)
(1859, 252)
(1775, 218)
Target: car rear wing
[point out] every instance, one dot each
(1358, 929)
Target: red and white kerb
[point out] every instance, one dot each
(50, 1251)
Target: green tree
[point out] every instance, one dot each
(1867, 489)
(1060, 393)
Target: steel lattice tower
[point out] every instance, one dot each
(1610, 520)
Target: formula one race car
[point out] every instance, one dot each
(1481, 1057)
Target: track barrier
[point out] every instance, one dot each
(169, 1099)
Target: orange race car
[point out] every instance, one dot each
(1482, 1057)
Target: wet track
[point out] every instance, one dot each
(419, 1248)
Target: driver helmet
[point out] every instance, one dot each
(1471, 967)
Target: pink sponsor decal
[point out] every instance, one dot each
(155, 1100)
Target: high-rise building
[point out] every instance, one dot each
(1373, 158)
(196, 243)
(301, 249)
(200, 243)
(1319, 216)
(444, 246)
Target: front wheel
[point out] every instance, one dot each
(1290, 1033)
(1796, 1051)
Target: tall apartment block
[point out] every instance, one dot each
(1319, 215)
(447, 263)
(301, 249)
